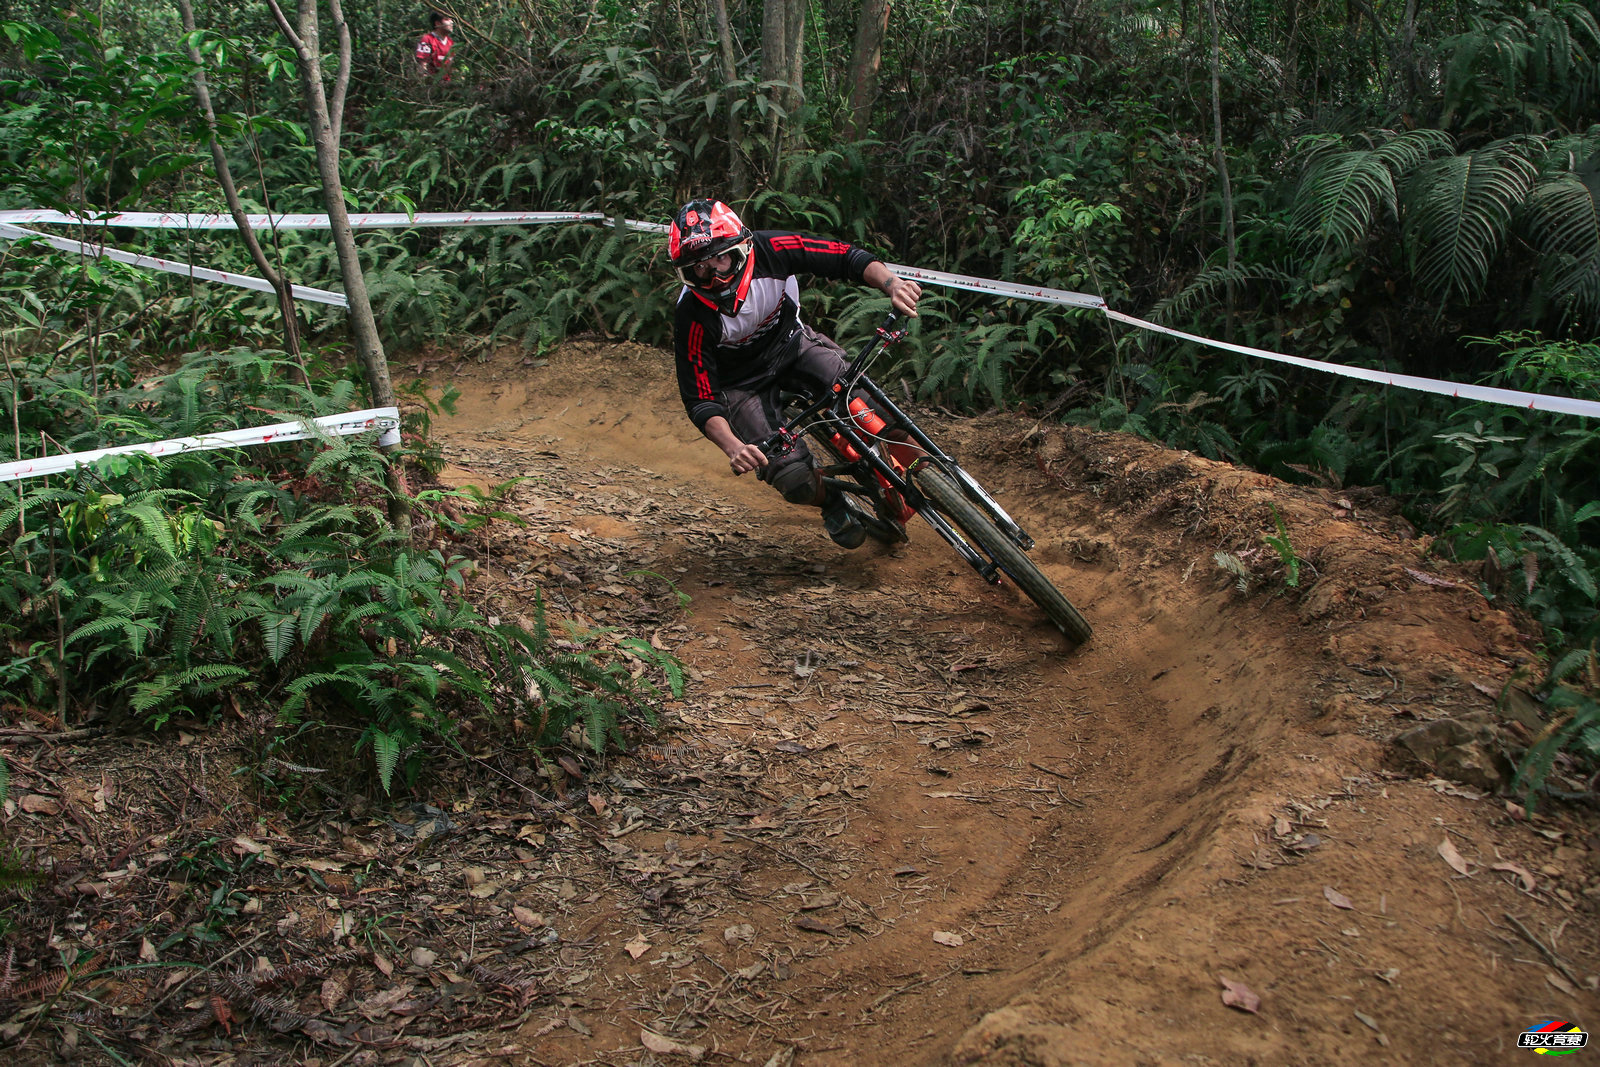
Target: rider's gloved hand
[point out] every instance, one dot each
(742, 457)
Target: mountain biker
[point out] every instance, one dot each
(740, 342)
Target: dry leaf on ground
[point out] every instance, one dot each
(1238, 995)
(945, 937)
(34, 804)
(1448, 853)
(668, 1047)
(335, 988)
(1336, 898)
(1523, 876)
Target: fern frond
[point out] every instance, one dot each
(1208, 286)
(1563, 219)
(385, 755)
(1458, 212)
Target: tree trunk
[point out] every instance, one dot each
(363, 326)
(1226, 190)
(794, 40)
(738, 176)
(1291, 52)
(341, 77)
(230, 193)
(774, 54)
(865, 58)
(1408, 62)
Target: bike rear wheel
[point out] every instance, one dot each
(942, 491)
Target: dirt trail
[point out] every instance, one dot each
(906, 826)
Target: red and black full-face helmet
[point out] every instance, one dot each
(702, 233)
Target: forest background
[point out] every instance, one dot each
(1412, 185)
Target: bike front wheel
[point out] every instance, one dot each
(942, 491)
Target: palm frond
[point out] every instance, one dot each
(1345, 192)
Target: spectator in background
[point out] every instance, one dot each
(433, 50)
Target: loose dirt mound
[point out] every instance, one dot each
(894, 821)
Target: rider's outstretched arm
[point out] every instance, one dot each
(903, 293)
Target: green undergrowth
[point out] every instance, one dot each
(268, 582)
(1564, 757)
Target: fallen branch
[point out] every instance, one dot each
(1549, 954)
(63, 735)
(1058, 774)
(792, 859)
(908, 987)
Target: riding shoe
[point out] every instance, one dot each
(839, 518)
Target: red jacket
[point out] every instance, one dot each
(433, 52)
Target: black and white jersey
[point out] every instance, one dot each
(714, 350)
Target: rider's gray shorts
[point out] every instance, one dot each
(811, 364)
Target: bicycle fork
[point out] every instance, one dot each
(892, 477)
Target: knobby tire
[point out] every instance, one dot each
(945, 495)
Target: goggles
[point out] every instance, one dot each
(718, 270)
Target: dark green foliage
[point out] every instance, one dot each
(1574, 732)
(168, 590)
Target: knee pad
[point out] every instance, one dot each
(797, 482)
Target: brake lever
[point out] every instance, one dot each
(779, 444)
(887, 331)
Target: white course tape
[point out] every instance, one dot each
(644, 227)
(953, 281)
(385, 419)
(1512, 397)
(155, 220)
(171, 266)
(1564, 405)
(1007, 289)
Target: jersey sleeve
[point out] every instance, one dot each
(424, 49)
(697, 330)
(795, 253)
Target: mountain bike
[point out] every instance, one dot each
(876, 453)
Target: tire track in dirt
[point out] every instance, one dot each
(1106, 831)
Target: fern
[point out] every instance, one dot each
(386, 750)
(1568, 564)
(1346, 192)
(1457, 216)
(1576, 726)
(1207, 287)
(1279, 542)
(1234, 566)
(1563, 216)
